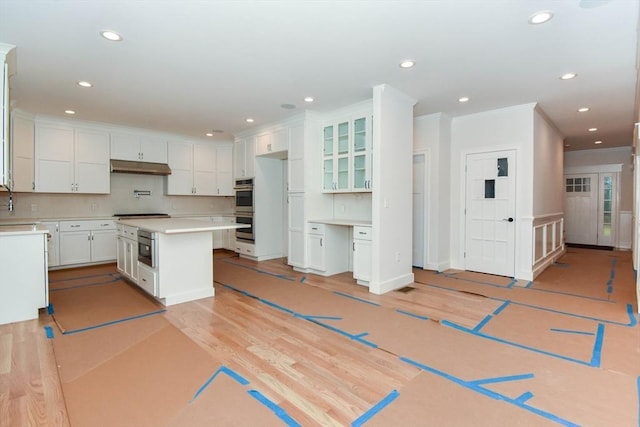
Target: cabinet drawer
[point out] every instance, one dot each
(315, 228)
(147, 279)
(130, 232)
(86, 225)
(246, 249)
(361, 232)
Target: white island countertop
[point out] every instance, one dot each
(15, 229)
(180, 225)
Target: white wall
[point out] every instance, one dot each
(502, 129)
(548, 167)
(432, 136)
(392, 197)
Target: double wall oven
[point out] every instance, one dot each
(244, 209)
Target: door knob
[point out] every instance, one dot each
(508, 219)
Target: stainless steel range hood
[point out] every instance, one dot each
(142, 168)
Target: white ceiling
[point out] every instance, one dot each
(188, 67)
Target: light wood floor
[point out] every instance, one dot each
(321, 377)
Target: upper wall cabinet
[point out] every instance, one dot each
(143, 148)
(22, 151)
(273, 144)
(71, 160)
(194, 170)
(244, 154)
(346, 155)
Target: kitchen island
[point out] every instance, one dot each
(24, 287)
(181, 258)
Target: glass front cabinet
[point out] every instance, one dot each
(347, 156)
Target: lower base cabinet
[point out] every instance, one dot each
(148, 279)
(87, 241)
(362, 255)
(327, 248)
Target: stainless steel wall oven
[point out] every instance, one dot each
(244, 195)
(147, 253)
(245, 234)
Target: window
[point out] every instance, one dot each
(578, 185)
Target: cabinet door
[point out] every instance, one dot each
(316, 252)
(53, 243)
(54, 158)
(263, 144)
(362, 260)
(250, 156)
(22, 146)
(238, 158)
(295, 169)
(205, 179)
(103, 245)
(75, 247)
(180, 156)
(125, 146)
(92, 161)
(153, 149)
(121, 254)
(361, 147)
(224, 170)
(296, 250)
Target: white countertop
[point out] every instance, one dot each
(15, 229)
(345, 221)
(180, 225)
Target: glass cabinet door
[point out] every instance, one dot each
(328, 175)
(360, 171)
(359, 135)
(328, 141)
(343, 138)
(343, 173)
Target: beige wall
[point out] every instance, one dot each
(121, 200)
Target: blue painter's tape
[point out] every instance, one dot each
(113, 322)
(570, 331)
(356, 298)
(609, 289)
(66, 288)
(274, 305)
(597, 346)
(376, 408)
(257, 270)
(309, 317)
(529, 285)
(222, 369)
(501, 379)
(280, 413)
(417, 316)
(303, 278)
(482, 323)
(632, 317)
(524, 397)
(502, 307)
(50, 309)
(512, 283)
(492, 394)
(48, 331)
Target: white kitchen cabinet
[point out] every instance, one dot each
(127, 251)
(24, 287)
(295, 159)
(244, 153)
(273, 143)
(22, 151)
(346, 155)
(362, 254)
(87, 241)
(296, 230)
(53, 243)
(224, 170)
(194, 170)
(148, 279)
(327, 249)
(69, 160)
(134, 147)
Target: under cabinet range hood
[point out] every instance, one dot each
(142, 168)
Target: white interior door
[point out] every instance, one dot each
(591, 209)
(490, 212)
(418, 210)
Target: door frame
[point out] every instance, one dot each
(598, 169)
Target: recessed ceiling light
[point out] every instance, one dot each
(71, 112)
(593, 129)
(249, 120)
(288, 106)
(84, 83)
(308, 99)
(463, 99)
(598, 142)
(568, 76)
(583, 109)
(208, 134)
(540, 17)
(110, 35)
(407, 63)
